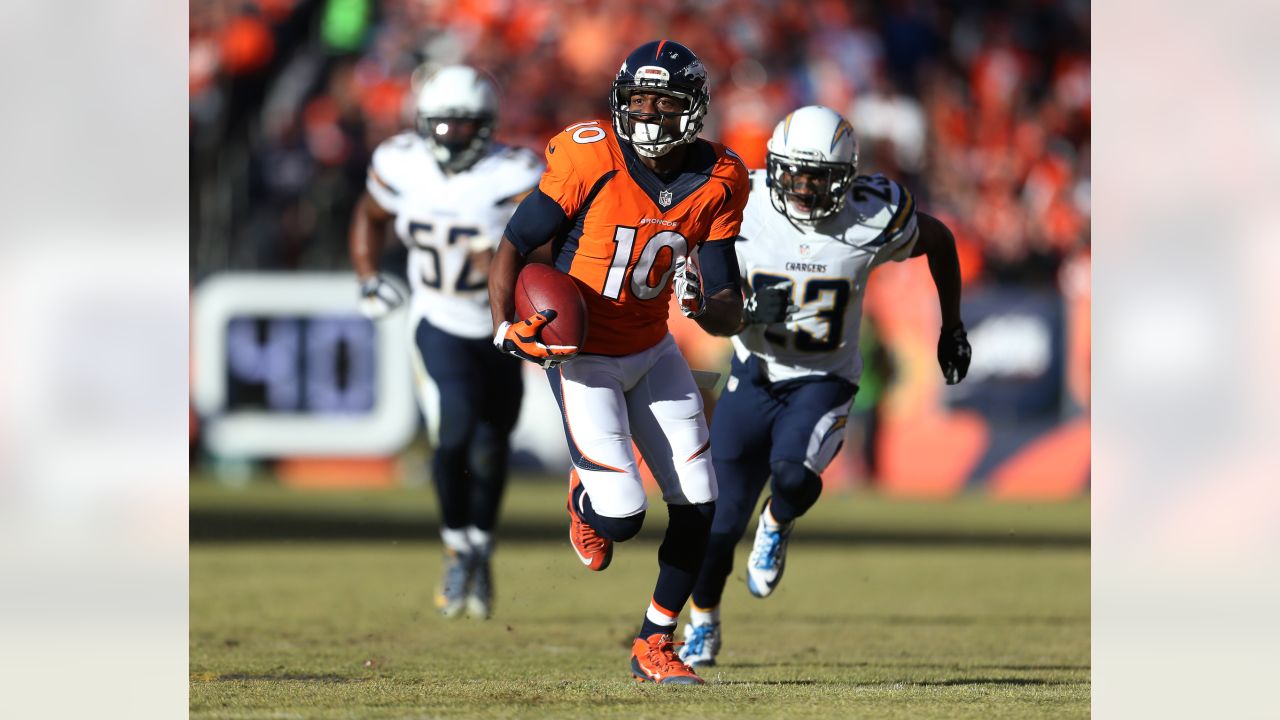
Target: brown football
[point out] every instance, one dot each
(542, 287)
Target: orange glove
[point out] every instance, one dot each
(524, 340)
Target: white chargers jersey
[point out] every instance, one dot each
(450, 223)
(828, 264)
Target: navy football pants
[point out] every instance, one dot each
(480, 392)
(788, 430)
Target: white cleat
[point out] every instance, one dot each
(768, 556)
(701, 644)
(480, 589)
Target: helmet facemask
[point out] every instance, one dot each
(807, 190)
(652, 133)
(456, 141)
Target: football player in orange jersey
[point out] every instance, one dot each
(626, 207)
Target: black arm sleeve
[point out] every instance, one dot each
(719, 265)
(535, 222)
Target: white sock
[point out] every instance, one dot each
(455, 539)
(698, 616)
(660, 618)
(480, 540)
(770, 523)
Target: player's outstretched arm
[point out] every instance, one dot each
(364, 239)
(938, 245)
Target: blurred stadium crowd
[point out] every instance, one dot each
(982, 107)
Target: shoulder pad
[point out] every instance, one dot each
(589, 134)
(391, 167)
(875, 198)
(883, 205)
(729, 152)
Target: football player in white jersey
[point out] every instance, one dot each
(448, 191)
(812, 232)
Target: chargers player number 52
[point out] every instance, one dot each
(424, 239)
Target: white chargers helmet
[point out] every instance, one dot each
(811, 163)
(456, 112)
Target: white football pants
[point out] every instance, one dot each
(649, 397)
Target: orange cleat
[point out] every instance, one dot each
(654, 658)
(593, 550)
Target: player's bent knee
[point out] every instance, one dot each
(731, 525)
(795, 484)
(687, 533)
(618, 529)
(695, 488)
(703, 511)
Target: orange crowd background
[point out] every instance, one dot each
(983, 109)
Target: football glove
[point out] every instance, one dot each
(378, 297)
(772, 304)
(954, 353)
(689, 287)
(524, 340)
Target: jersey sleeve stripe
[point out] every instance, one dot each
(563, 250)
(374, 176)
(906, 209)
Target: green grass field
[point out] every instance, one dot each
(889, 610)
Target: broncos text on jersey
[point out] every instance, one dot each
(828, 265)
(626, 227)
(448, 222)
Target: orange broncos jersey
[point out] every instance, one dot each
(626, 227)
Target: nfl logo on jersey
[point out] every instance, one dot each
(804, 249)
(664, 198)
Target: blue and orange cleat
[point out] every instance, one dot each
(654, 659)
(451, 594)
(593, 550)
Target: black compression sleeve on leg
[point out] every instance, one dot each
(680, 555)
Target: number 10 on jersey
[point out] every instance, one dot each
(624, 240)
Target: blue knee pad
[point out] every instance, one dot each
(795, 489)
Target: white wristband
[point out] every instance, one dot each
(501, 334)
